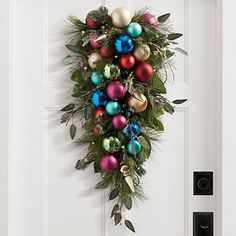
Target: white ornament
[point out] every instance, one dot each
(128, 179)
(121, 17)
(93, 58)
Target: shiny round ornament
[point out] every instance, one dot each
(119, 122)
(99, 98)
(99, 113)
(109, 162)
(116, 90)
(134, 147)
(144, 72)
(90, 22)
(113, 108)
(132, 130)
(127, 62)
(96, 78)
(97, 131)
(93, 59)
(106, 53)
(142, 52)
(149, 19)
(134, 29)
(111, 71)
(138, 102)
(94, 43)
(121, 17)
(111, 144)
(124, 44)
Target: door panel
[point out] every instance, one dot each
(47, 196)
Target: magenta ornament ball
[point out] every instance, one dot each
(116, 90)
(109, 162)
(119, 122)
(149, 19)
(94, 43)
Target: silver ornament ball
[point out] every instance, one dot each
(93, 58)
(121, 17)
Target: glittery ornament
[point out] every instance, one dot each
(99, 113)
(124, 44)
(96, 78)
(99, 98)
(109, 162)
(113, 108)
(111, 144)
(111, 71)
(142, 52)
(134, 29)
(91, 23)
(93, 59)
(121, 17)
(134, 147)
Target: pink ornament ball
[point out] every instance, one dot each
(149, 19)
(109, 162)
(119, 122)
(94, 43)
(116, 90)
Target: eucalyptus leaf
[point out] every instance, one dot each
(67, 60)
(180, 50)
(87, 112)
(68, 107)
(128, 202)
(81, 164)
(168, 108)
(73, 48)
(163, 18)
(143, 142)
(114, 210)
(117, 218)
(65, 116)
(129, 225)
(174, 36)
(102, 184)
(114, 193)
(72, 131)
(179, 101)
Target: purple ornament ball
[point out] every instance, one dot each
(149, 19)
(94, 43)
(109, 162)
(119, 122)
(116, 90)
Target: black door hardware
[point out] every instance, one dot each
(203, 183)
(203, 224)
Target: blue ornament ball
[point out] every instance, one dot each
(134, 147)
(124, 44)
(113, 108)
(134, 29)
(96, 78)
(132, 130)
(99, 98)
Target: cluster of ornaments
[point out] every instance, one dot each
(115, 99)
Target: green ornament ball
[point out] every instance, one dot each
(133, 147)
(113, 108)
(111, 144)
(134, 29)
(96, 78)
(111, 71)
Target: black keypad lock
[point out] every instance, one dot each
(203, 224)
(203, 183)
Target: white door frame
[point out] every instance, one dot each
(226, 124)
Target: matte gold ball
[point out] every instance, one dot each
(142, 52)
(121, 17)
(138, 102)
(93, 58)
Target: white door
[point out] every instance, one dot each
(48, 197)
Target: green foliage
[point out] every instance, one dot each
(129, 225)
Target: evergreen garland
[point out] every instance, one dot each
(162, 44)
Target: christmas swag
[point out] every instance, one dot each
(120, 66)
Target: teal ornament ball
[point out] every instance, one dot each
(113, 108)
(134, 29)
(99, 98)
(111, 71)
(134, 147)
(124, 44)
(132, 130)
(111, 144)
(96, 78)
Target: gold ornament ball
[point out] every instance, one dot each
(121, 17)
(93, 58)
(142, 52)
(138, 102)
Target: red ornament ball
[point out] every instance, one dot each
(106, 53)
(98, 114)
(116, 90)
(96, 131)
(127, 62)
(92, 24)
(149, 19)
(119, 122)
(109, 162)
(94, 43)
(144, 72)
